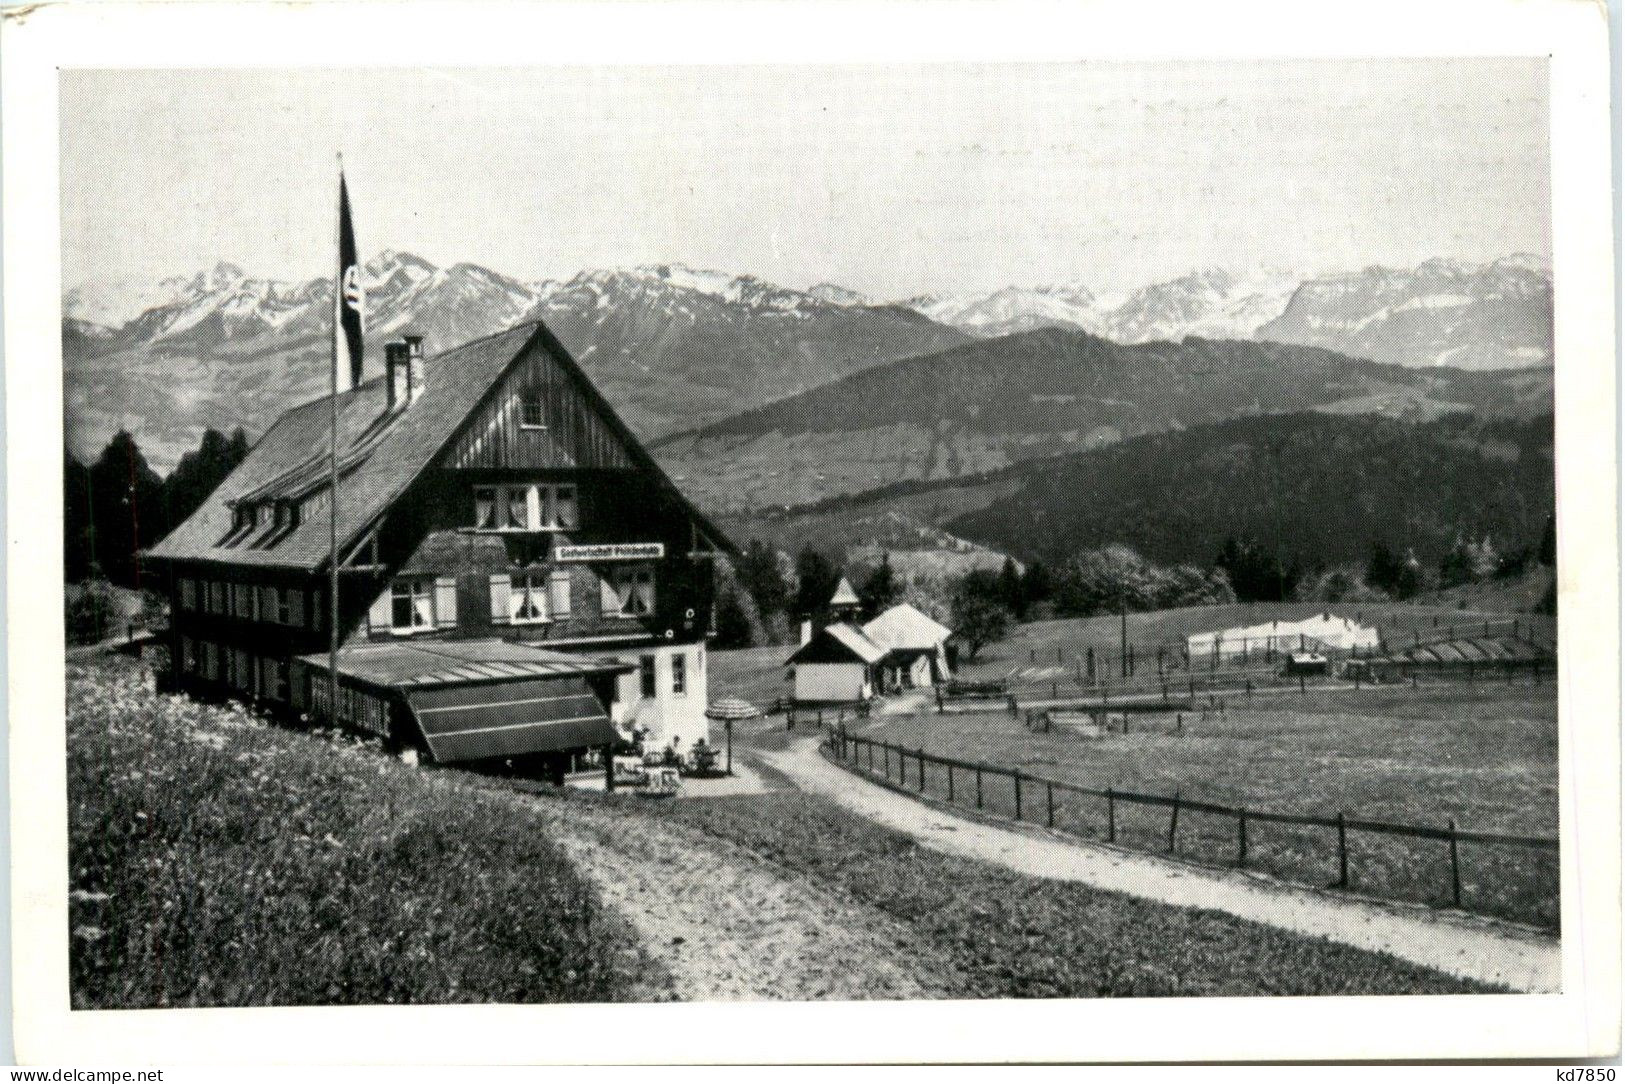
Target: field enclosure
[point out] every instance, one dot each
(1483, 758)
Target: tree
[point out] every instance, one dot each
(733, 625)
(78, 545)
(880, 589)
(761, 575)
(816, 577)
(199, 473)
(126, 504)
(1010, 589)
(1254, 574)
(1037, 585)
(1384, 569)
(978, 616)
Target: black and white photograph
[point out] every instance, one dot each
(991, 531)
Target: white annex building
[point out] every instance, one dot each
(842, 662)
(1322, 632)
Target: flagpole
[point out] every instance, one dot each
(333, 469)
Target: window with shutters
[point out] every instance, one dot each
(679, 674)
(527, 598)
(188, 594)
(217, 597)
(630, 591)
(242, 599)
(189, 654)
(412, 604)
(646, 677)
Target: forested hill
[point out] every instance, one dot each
(1314, 488)
(987, 404)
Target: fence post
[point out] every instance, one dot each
(1111, 817)
(1455, 867)
(1342, 852)
(1179, 722)
(978, 786)
(870, 747)
(1300, 683)
(1173, 823)
(1241, 836)
(1049, 804)
(920, 754)
(950, 782)
(1017, 777)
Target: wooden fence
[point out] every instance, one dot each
(1034, 800)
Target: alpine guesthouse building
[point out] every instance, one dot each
(517, 577)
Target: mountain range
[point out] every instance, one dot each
(677, 349)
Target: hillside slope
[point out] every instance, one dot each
(985, 405)
(1316, 488)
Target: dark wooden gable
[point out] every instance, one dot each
(572, 432)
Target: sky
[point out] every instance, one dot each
(894, 181)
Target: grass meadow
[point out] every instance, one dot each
(218, 859)
(215, 859)
(1485, 756)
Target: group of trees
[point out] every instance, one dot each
(118, 504)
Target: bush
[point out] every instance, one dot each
(91, 612)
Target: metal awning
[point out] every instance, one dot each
(506, 719)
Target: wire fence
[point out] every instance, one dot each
(1513, 876)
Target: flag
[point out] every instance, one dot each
(349, 300)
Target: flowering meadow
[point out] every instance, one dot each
(216, 858)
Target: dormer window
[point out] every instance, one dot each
(532, 413)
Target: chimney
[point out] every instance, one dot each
(395, 369)
(414, 367)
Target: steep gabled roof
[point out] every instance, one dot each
(845, 639)
(904, 628)
(379, 457)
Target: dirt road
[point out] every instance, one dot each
(1455, 944)
(727, 926)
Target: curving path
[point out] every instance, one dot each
(1459, 945)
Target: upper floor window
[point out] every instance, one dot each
(188, 594)
(679, 674)
(217, 597)
(242, 599)
(525, 508)
(532, 412)
(411, 604)
(629, 591)
(646, 676)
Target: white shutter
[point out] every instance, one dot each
(445, 602)
(609, 598)
(558, 594)
(499, 598)
(379, 616)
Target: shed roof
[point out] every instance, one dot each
(905, 628)
(381, 454)
(423, 664)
